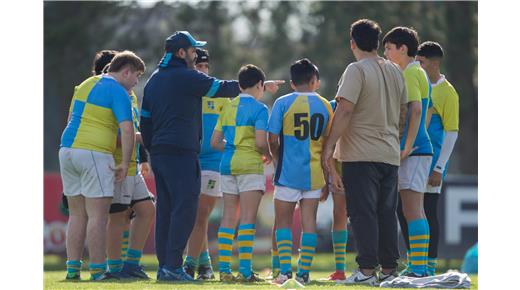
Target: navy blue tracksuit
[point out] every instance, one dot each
(171, 118)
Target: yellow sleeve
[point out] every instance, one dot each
(450, 111)
(413, 88)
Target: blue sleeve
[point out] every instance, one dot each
(146, 122)
(262, 119)
(204, 85)
(121, 106)
(276, 119)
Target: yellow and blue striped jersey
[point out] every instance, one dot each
(99, 104)
(133, 169)
(445, 116)
(300, 120)
(239, 121)
(419, 89)
(210, 158)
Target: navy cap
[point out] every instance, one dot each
(202, 55)
(181, 39)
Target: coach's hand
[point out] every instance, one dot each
(272, 86)
(435, 179)
(120, 172)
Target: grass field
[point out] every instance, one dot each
(322, 266)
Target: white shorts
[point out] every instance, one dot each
(294, 195)
(234, 184)
(413, 173)
(132, 188)
(210, 183)
(86, 172)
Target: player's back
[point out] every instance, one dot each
(239, 121)
(99, 104)
(301, 120)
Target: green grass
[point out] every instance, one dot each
(323, 265)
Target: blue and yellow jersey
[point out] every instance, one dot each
(445, 115)
(133, 169)
(99, 104)
(239, 120)
(300, 120)
(419, 89)
(211, 108)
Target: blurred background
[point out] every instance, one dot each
(271, 35)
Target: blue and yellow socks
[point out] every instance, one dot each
(307, 250)
(246, 240)
(124, 245)
(96, 270)
(284, 244)
(204, 258)
(419, 237)
(73, 268)
(225, 248)
(339, 240)
(133, 256)
(275, 260)
(115, 266)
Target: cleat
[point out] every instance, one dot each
(227, 277)
(134, 271)
(189, 269)
(176, 275)
(104, 277)
(415, 275)
(303, 278)
(337, 276)
(251, 279)
(205, 273)
(359, 278)
(273, 275)
(387, 277)
(282, 278)
(73, 277)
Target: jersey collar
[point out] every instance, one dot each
(440, 81)
(243, 95)
(415, 62)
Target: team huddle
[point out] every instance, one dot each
(380, 148)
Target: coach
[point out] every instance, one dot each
(366, 128)
(171, 118)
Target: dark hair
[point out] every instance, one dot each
(101, 60)
(430, 49)
(365, 34)
(125, 58)
(202, 55)
(249, 75)
(302, 72)
(403, 36)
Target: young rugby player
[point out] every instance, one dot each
(243, 124)
(298, 125)
(401, 45)
(443, 130)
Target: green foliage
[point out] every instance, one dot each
(269, 34)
